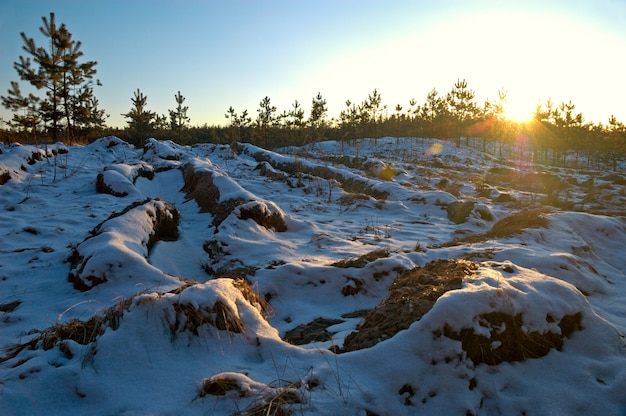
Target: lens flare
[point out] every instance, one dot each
(434, 149)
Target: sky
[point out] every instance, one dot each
(234, 53)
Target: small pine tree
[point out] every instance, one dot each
(140, 120)
(26, 115)
(317, 118)
(463, 108)
(178, 117)
(238, 125)
(266, 120)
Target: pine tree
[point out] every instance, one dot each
(296, 115)
(28, 106)
(140, 120)
(266, 120)
(86, 113)
(56, 70)
(178, 117)
(463, 108)
(237, 125)
(350, 118)
(317, 118)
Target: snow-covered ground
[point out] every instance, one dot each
(168, 280)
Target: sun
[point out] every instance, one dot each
(518, 113)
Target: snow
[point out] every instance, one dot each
(171, 326)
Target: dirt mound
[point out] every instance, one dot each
(81, 332)
(411, 296)
(350, 183)
(111, 250)
(200, 185)
(507, 341)
(507, 227)
(458, 211)
(112, 183)
(266, 214)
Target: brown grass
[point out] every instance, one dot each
(362, 261)
(251, 295)
(276, 401)
(256, 212)
(507, 227)
(220, 316)
(411, 296)
(220, 385)
(279, 404)
(82, 332)
(508, 342)
(517, 223)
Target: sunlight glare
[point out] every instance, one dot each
(518, 113)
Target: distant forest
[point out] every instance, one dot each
(66, 109)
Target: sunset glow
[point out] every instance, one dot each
(234, 54)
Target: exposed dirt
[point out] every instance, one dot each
(261, 215)
(411, 296)
(199, 186)
(349, 184)
(508, 341)
(507, 227)
(362, 261)
(315, 331)
(458, 211)
(5, 176)
(104, 188)
(165, 219)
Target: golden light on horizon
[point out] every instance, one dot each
(518, 112)
(514, 51)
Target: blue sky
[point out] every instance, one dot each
(235, 52)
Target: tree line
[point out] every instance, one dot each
(67, 109)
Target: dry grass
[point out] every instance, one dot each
(267, 400)
(507, 341)
(220, 316)
(411, 296)
(257, 213)
(362, 261)
(220, 385)
(250, 293)
(278, 404)
(507, 227)
(81, 332)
